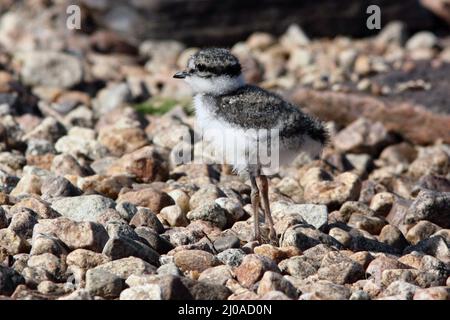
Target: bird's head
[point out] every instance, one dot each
(212, 71)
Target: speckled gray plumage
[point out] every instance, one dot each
(253, 107)
(213, 62)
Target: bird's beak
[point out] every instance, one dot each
(180, 75)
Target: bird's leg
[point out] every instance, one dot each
(264, 187)
(227, 170)
(254, 197)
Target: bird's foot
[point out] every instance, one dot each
(257, 238)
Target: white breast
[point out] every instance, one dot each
(239, 148)
(231, 145)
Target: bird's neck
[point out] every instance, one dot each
(218, 85)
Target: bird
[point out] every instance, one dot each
(245, 122)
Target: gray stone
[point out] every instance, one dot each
(206, 195)
(209, 212)
(23, 221)
(111, 97)
(121, 229)
(432, 206)
(154, 240)
(434, 246)
(359, 295)
(83, 208)
(305, 236)
(315, 215)
(52, 264)
(104, 284)
(217, 275)
(231, 257)
(169, 269)
(125, 267)
(326, 290)
(50, 69)
(121, 247)
(392, 236)
(206, 291)
(126, 210)
(3, 219)
(13, 243)
(44, 243)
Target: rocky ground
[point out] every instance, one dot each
(93, 205)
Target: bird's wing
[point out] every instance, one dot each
(255, 108)
(252, 107)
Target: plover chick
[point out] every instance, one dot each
(250, 128)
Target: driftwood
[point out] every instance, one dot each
(421, 116)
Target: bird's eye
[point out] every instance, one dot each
(201, 68)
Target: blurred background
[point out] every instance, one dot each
(319, 54)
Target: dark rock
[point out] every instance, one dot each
(231, 257)
(360, 243)
(104, 284)
(408, 113)
(9, 280)
(145, 218)
(434, 246)
(300, 267)
(122, 247)
(369, 189)
(432, 206)
(226, 242)
(305, 237)
(154, 240)
(206, 291)
(126, 267)
(432, 182)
